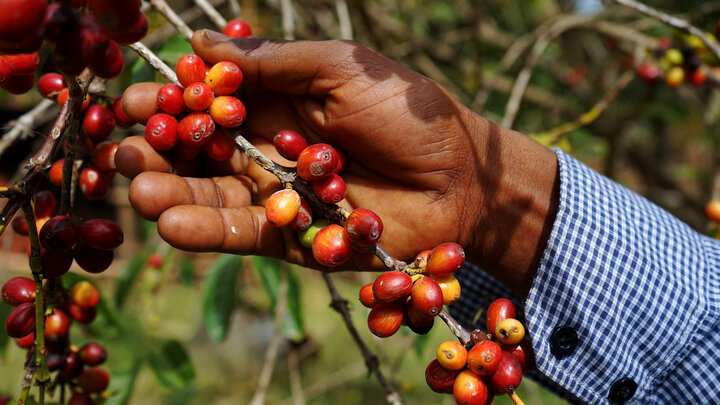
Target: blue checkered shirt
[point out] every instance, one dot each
(639, 287)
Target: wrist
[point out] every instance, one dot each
(518, 183)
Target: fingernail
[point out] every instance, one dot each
(215, 36)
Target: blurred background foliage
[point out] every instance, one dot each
(196, 328)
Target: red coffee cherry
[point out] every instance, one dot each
(228, 111)
(304, 217)
(108, 61)
(392, 286)
(99, 36)
(330, 247)
(21, 18)
(224, 78)
(698, 77)
(330, 189)
(508, 375)
(60, 22)
(50, 84)
(56, 172)
(132, 33)
(21, 320)
(282, 207)
(220, 146)
(19, 84)
(501, 308)
(93, 183)
(93, 380)
(19, 225)
(170, 99)
(363, 227)
(92, 260)
(445, 259)
(418, 323)
(161, 132)
(426, 297)
(317, 161)
(196, 129)
(115, 16)
(82, 315)
(30, 44)
(72, 368)
(18, 290)
(440, 379)
(55, 264)
(452, 355)
(92, 354)
(385, 319)
(289, 144)
(649, 72)
(198, 96)
(98, 122)
(26, 342)
(6, 71)
(237, 28)
(54, 360)
(121, 119)
(104, 156)
(484, 358)
(367, 297)
(45, 204)
(101, 233)
(80, 398)
(24, 63)
(57, 326)
(85, 294)
(155, 260)
(470, 389)
(525, 354)
(59, 234)
(190, 69)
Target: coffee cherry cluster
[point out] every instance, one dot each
(396, 298)
(97, 123)
(84, 34)
(493, 365)
(193, 116)
(76, 367)
(17, 72)
(63, 240)
(675, 65)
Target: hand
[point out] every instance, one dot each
(429, 167)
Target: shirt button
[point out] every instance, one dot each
(622, 390)
(563, 341)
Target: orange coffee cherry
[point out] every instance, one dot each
(452, 355)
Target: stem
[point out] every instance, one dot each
(155, 62)
(515, 398)
(173, 18)
(371, 361)
(461, 333)
(38, 115)
(212, 13)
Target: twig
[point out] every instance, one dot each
(561, 25)
(235, 8)
(371, 361)
(172, 17)
(346, 31)
(155, 62)
(674, 22)
(552, 135)
(288, 19)
(212, 13)
(298, 397)
(25, 123)
(332, 380)
(274, 346)
(461, 333)
(159, 35)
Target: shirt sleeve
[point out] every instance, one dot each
(625, 305)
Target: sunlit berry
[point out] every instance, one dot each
(282, 207)
(170, 99)
(161, 132)
(224, 78)
(500, 309)
(289, 144)
(445, 259)
(330, 189)
(470, 389)
(452, 355)
(364, 227)
(385, 319)
(198, 96)
(330, 247)
(196, 129)
(392, 286)
(237, 28)
(228, 111)
(317, 161)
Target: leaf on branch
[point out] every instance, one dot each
(171, 365)
(220, 296)
(173, 48)
(269, 271)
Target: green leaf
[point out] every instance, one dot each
(140, 72)
(420, 343)
(171, 365)
(269, 271)
(5, 310)
(173, 48)
(122, 383)
(220, 296)
(182, 397)
(127, 278)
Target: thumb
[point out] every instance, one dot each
(294, 67)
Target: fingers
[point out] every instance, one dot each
(134, 156)
(152, 193)
(291, 67)
(139, 101)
